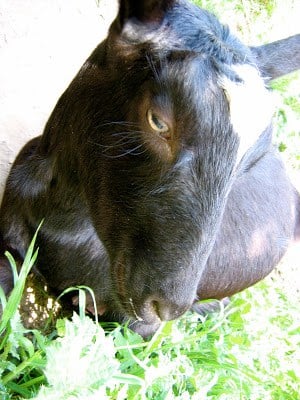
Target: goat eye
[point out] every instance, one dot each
(157, 124)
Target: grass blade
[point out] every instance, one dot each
(14, 299)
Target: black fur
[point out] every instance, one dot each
(151, 221)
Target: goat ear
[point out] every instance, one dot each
(145, 11)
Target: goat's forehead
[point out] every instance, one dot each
(186, 74)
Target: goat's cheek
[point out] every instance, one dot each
(162, 148)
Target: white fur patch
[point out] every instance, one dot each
(251, 106)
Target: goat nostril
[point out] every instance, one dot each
(166, 311)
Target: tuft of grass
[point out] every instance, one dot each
(20, 362)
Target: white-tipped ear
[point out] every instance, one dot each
(251, 105)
